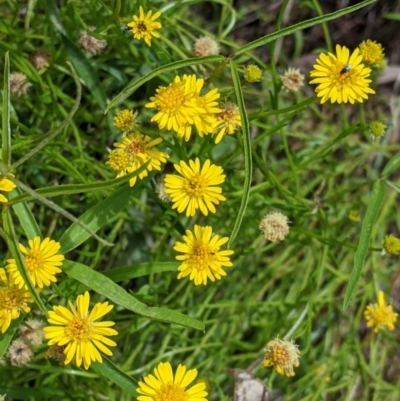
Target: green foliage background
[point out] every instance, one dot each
(314, 163)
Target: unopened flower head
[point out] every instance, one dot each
(6, 185)
(91, 44)
(354, 215)
(134, 151)
(19, 352)
(380, 315)
(125, 120)
(292, 79)
(228, 121)
(283, 355)
(42, 262)
(19, 84)
(371, 52)
(56, 352)
(32, 331)
(341, 78)
(195, 187)
(180, 106)
(160, 190)
(145, 26)
(165, 386)
(206, 46)
(79, 330)
(202, 258)
(40, 59)
(13, 300)
(252, 73)
(391, 244)
(275, 226)
(377, 129)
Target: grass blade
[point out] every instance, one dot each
(375, 201)
(392, 164)
(6, 134)
(248, 166)
(116, 294)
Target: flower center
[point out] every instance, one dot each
(170, 98)
(118, 160)
(171, 392)
(136, 147)
(10, 299)
(196, 186)
(200, 255)
(78, 329)
(141, 27)
(280, 356)
(34, 260)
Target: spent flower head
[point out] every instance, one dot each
(80, 331)
(32, 331)
(19, 84)
(165, 386)
(196, 187)
(292, 79)
(145, 26)
(274, 226)
(19, 352)
(13, 300)
(125, 120)
(371, 52)
(202, 258)
(391, 244)
(160, 190)
(228, 120)
(6, 185)
(283, 355)
(380, 315)
(341, 78)
(42, 262)
(377, 129)
(40, 59)
(133, 152)
(252, 73)
(91, 44)
(205, 46)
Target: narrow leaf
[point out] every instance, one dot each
(393, 185)
(129, 272)
(5, 338)
(116, 294)
(248, 169)
(374, 204)
(6, 131)
(108, 370)
(392, 164)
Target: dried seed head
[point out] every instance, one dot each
(19, 352)
(292, 79)
(32, 331)
(56, 352)
(160, 190)
(90, 43)
(275, 226)
(206, 46)
(19, 84)
(40, 59)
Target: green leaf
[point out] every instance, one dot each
(129, 272)
(374, 204)
(393, 185)
(392, 164)
(97, 217)
(158, 71)
(13, 247)
(108, 370)
(301, 26)
(6, 131)
(116, 294)
(248, 169)
(5, 338)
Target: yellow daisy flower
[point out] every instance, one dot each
(132, 152)
(125, 120)
(283, 355)
(371, 52)
(12, 300)
(165, 386)
(145, 26)
(341, 78)
(202, 258)
(42, 261)
(380, 315)
(78, 330)
(196, 188)
(228, 121)
(6, 185)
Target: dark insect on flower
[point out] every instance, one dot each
(345, 69)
